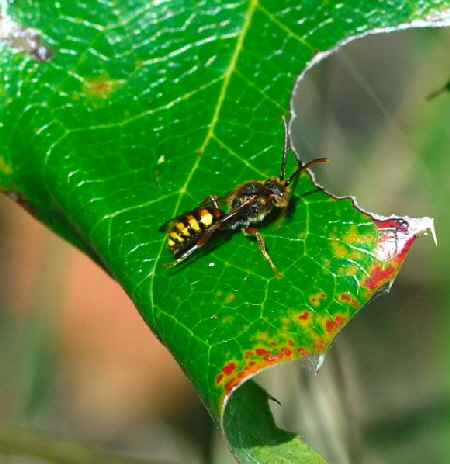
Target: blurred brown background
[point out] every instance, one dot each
(76, 359)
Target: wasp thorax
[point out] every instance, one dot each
(256, 199)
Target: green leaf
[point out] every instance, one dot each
(121, 117)
(254, 437)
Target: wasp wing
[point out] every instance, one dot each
(237, 216)
(169, 224)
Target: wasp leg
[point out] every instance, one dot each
(211, 199)
(195, 247)
(185, 255)
(262, 247)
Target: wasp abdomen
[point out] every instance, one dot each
(187, 229)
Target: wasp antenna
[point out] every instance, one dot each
(303, 167)
(286, 148)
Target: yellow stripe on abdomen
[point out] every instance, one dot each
(206, 217)
(175, 237)
(193, 223)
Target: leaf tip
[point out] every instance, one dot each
(423, 225)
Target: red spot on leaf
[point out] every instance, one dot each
(226, 372)
(316, 298)
(320, 346)
(304, 316)
(231, 384)
(303, 351)
(334, 325)
(248, 354)
(379, 276)
(262, 352)
(283, 353)
(286, 351)
(229, 368)
(350, 299)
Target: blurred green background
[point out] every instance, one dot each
(76, 359)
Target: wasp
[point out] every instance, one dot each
(249, 203)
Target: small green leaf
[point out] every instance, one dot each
(121, 116)
(254, 437)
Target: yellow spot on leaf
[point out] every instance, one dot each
(353, 237)
(315, 298)
(100, 86)
(349, 271)
(5, 168)
(339, 250)
(230, 297)
(98, 89)
(228, 320)
(355, 255)
(286, 323)
(261, 336)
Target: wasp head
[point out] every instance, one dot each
(278, 192)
